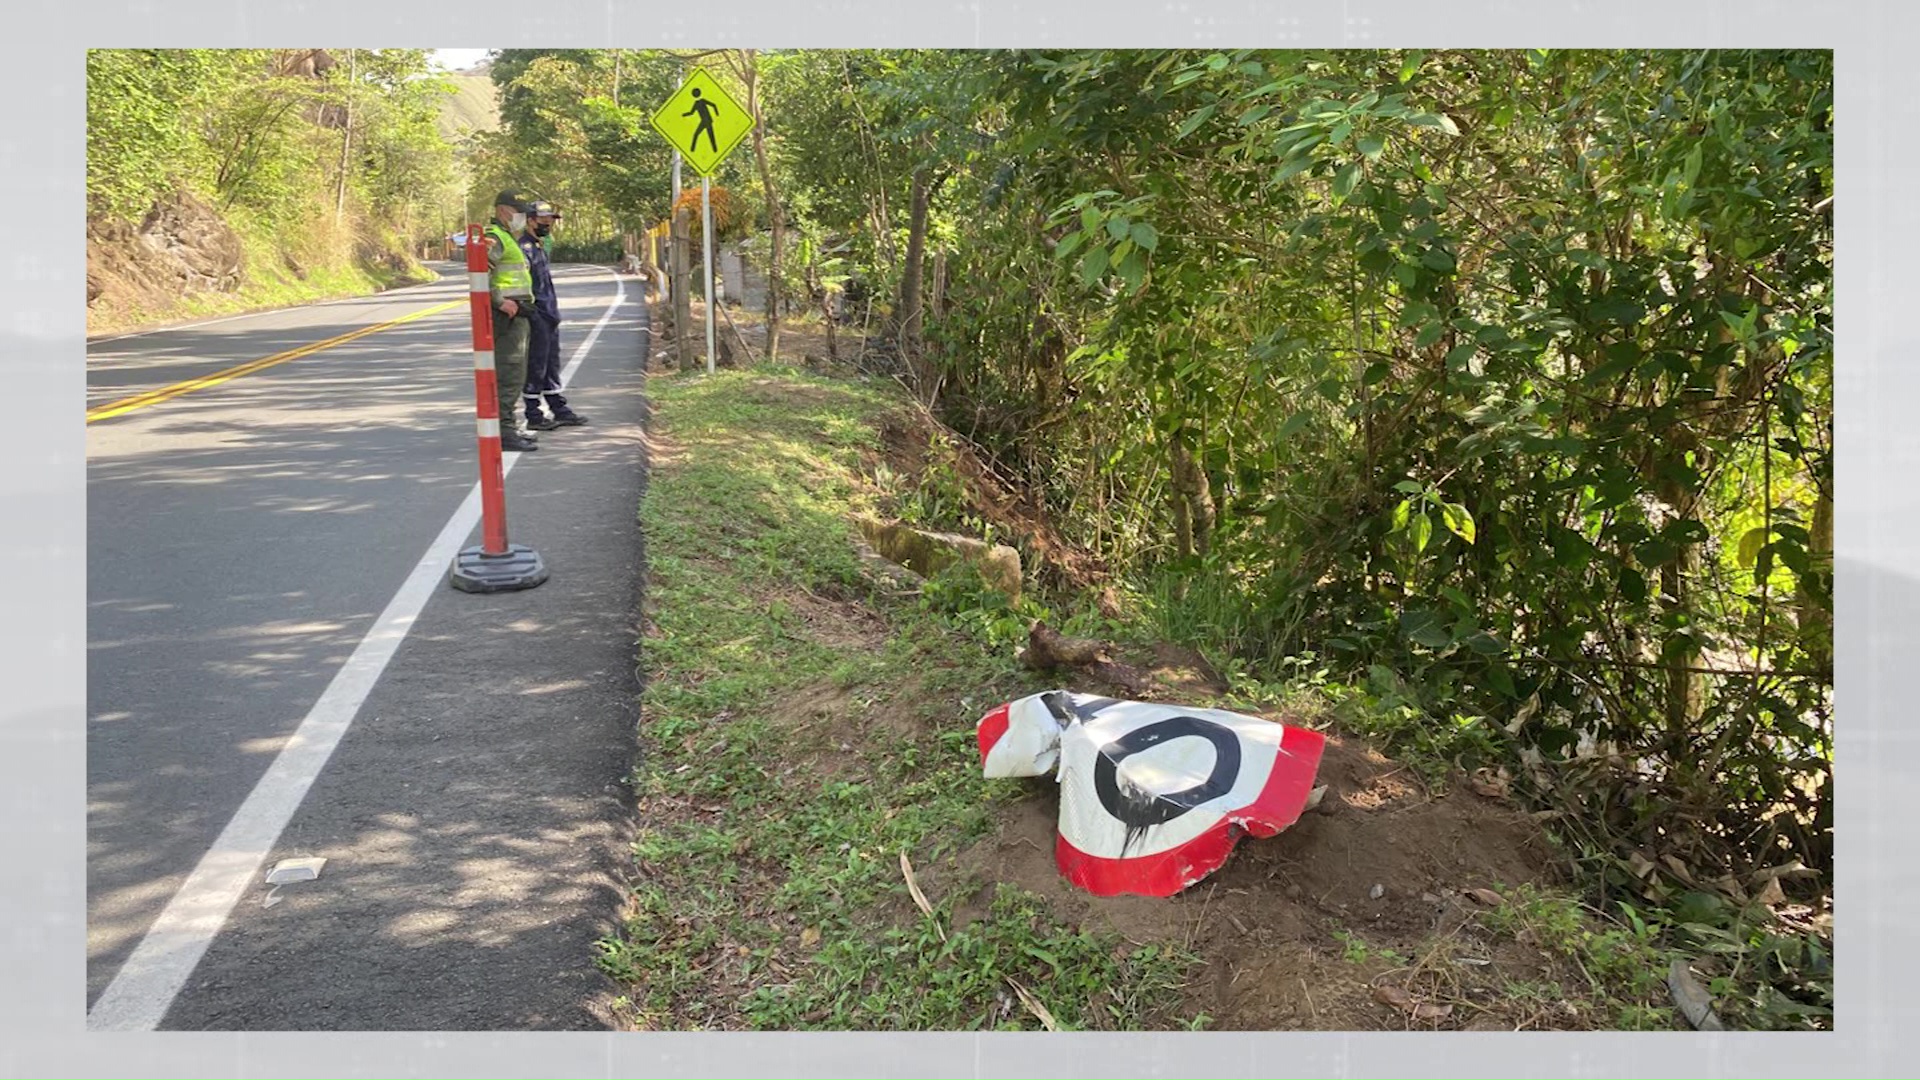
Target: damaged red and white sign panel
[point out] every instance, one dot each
(1152, 797)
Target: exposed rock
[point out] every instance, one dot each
(197, 247)
(1692, 998)
(927, 553)
(306, 63)
(1048, 650)
(181, 247)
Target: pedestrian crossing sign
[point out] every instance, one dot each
(703, 122)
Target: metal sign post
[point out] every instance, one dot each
(676, 202)
(706, 251)
(703, 123)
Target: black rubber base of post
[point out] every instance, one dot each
(520, 568)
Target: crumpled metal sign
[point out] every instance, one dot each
(1152, 797)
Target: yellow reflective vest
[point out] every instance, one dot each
(508, 274)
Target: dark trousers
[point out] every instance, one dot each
(543, 369)
(509, 362)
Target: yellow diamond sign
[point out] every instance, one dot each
(703, 122)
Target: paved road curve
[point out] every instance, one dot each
(242, 539)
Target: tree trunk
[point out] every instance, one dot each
(1683, 685)
(908, 318)
(822, 297)
(1192, 501)
(1182, 520)
(776, 218)
(882, 228)
(1816, 617)
(682, 289)
(346, 137)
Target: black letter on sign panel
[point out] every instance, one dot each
(1141, 810)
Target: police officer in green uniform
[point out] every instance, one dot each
(510, 280)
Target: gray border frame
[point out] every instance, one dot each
(42, 737)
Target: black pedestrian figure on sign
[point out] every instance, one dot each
(706, 109)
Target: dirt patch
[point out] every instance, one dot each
(770, 392)
(832, 727)
(1266, 923)
(842, 624)
(809, 709)
(806, 343)
(831, 723)
(1158, 672)
(1179, 673)
(904, 446)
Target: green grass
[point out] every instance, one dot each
(1623, 965)
(769, 892)
(1355, 950)
(1556, 964)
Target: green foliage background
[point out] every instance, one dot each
(346, 171)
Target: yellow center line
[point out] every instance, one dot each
(165, 393)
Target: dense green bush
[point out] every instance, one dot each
(247, 129)
(588, 251)
(1507, 375)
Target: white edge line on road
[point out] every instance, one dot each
(144, 988)
(579, 354)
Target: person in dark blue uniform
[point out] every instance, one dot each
(543, 351)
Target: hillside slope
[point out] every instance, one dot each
(475, 107)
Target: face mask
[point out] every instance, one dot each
(519, 222)
(542, 230)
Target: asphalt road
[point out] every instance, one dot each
(242, 539)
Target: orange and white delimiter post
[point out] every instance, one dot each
(486, 394)
(495, 565)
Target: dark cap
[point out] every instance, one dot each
(514, 199)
